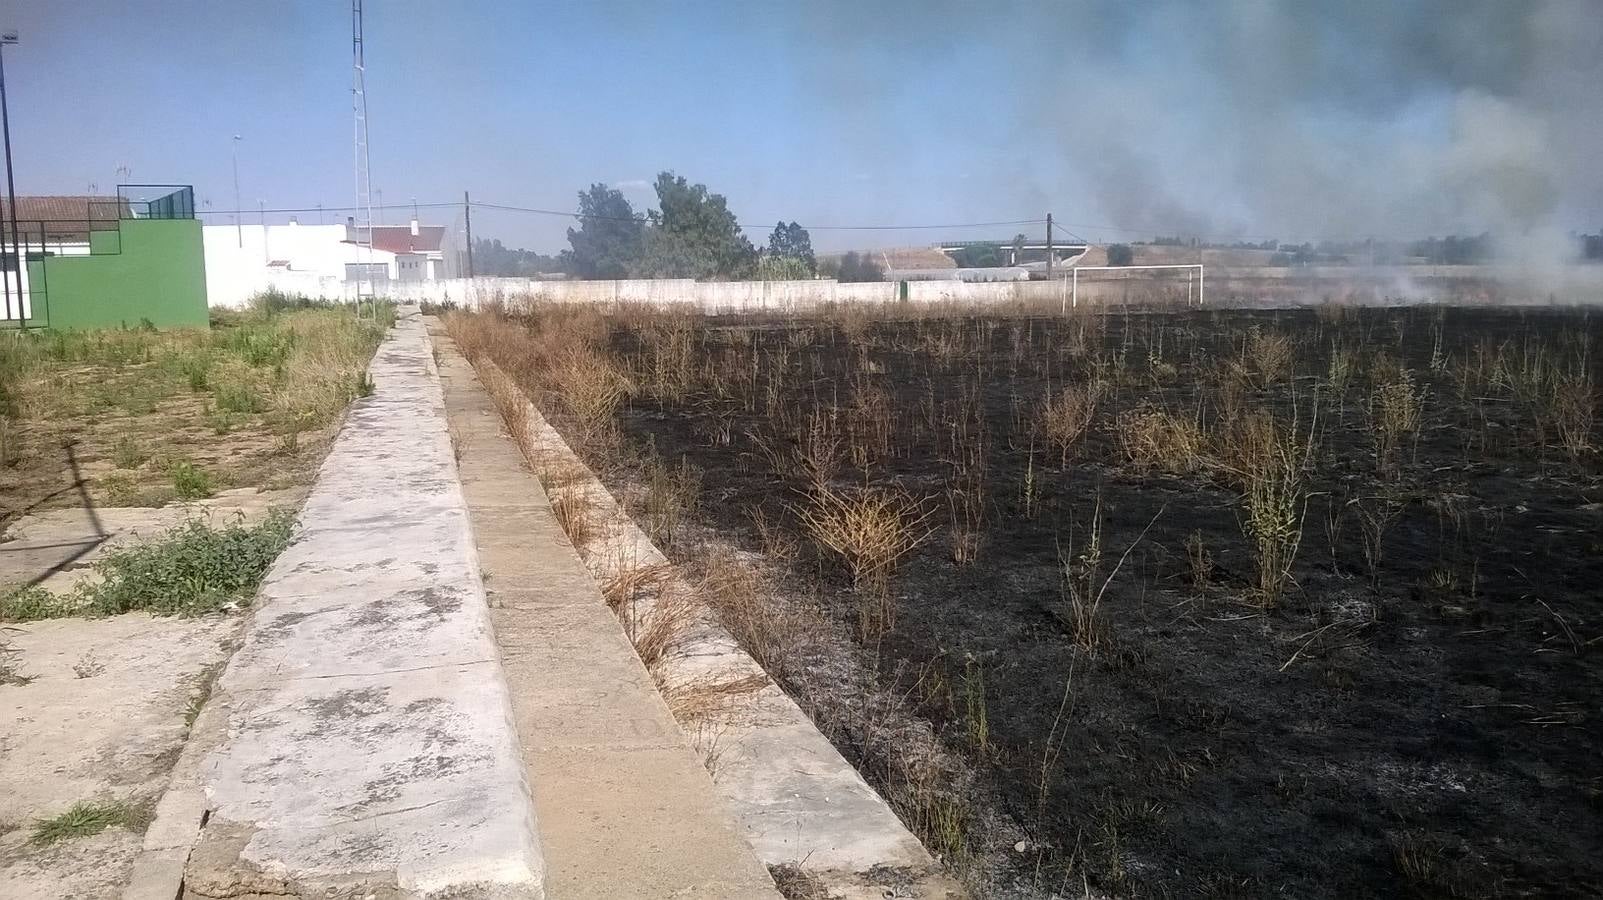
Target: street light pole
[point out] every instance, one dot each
(9, 36)
(239, 227)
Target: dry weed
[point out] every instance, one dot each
(870, 529)
(1157, 439)
(1066, 417)
(1396, 411)
(1573, 409)
(575, 513)
(633, 584)
(712, 695)
(658, 627)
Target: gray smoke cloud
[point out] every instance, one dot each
(1292, 120)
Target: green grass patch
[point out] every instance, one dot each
(260, 344)
(30, 604)
(88, 818)
(191, 570)
(191, 482)
(127, 454)
(238, 398)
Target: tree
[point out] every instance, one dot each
(490, 257)
(667, 254)
(981, 255)
(793, 242)
(608, 239)
(1592, 246)
(1019, 240)
(694, 235)
(782, 268)
(1120, 255)
(855, 267)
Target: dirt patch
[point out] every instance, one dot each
(133, 417)
(1177, 671)
(103, 716)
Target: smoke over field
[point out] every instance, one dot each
(1293, 121)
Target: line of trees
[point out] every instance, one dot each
(490, 257)
(691, 234)
(853, 267)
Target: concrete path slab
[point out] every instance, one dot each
(626, 809)
(102, 719)
(370, 748)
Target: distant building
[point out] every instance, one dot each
(103, 262)
(321, 260)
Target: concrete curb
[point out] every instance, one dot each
(797, 800)
(368, 746)
(626, 810)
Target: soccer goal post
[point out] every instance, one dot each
(1192, 271)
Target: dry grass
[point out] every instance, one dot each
(591, 388)
(1396, 411)
(1157, 439)
(1274, 506)
(737, 595)
(1269, 356)
(658, 627)
(633, 584)
(818, 448)
(712, 696)
(773, 541)
(1066, 417)
(870, 529)
(575, 513)
(1573, 408)
(670, 496)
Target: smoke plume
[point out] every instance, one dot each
(1291, 120)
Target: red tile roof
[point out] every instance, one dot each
(64, 217)
(400, 239)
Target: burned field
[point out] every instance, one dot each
(1208, 602)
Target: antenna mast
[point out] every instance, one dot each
(364, 193)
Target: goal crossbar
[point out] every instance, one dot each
(1074, 298)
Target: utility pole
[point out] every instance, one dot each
(1048, 246)
(467, 217)
(239, 227)
(10, 37)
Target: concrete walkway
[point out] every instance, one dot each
(370, 749)
(626, 808)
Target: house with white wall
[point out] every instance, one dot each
(319, 260)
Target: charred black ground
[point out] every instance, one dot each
(1419, 720)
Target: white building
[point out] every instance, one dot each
(319, 260)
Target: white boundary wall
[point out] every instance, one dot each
(1579, 284)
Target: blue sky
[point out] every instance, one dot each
(1145, 116)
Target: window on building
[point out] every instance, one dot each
(367, 272)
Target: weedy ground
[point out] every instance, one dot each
(1209, 602)
(137, 417)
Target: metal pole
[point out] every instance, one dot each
(1076, 271)
(239, 227)
(4, 275)
(1200, 274)
(10, 37)
(467, 217)
(1048, 246)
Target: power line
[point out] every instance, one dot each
(574, 215)
(312, 209)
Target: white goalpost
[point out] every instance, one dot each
(1194, 281)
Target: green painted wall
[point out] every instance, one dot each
(159, 275)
